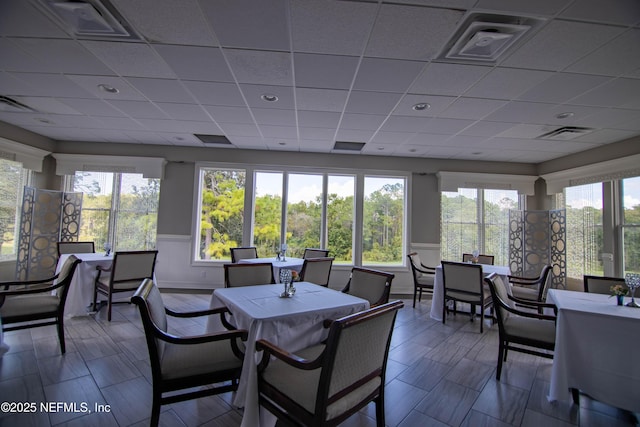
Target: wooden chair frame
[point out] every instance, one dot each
(75, 248)
(315, 253)
(41, 286)
(418, 287)
(614, 281)
(309, 264)
(384, 298)
(542, 281)
(483, 301)
(253, 265)
(235, 253)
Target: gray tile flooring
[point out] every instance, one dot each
(437, 375)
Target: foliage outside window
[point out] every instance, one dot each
(312, 218)
(118, 208)
(14, 179)
(631, 224)
(476, 219)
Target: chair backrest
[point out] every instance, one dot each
(499, 296)
(462, 279)
(248, 274)
(65, 275)
(417, 268)
(149, 301)
(482, 259)
(316, 270)
(237, 254)
(356, 352)
(133, 265)
(75, 248)
(544, 281)
(372, 285)
(315, 253)
(601, 284)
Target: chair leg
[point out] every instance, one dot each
(95, 297)
(575, 394)
(415, 292)
(380, 410)
(60, 326)
(109, 307)
(481, 317)
(155, 410)
(444, 311)
(500, 356)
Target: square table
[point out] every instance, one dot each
(438, 286)
(81, 288)
(291, 323)
(597, 349)
(290, 263)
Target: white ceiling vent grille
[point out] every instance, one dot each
(89, 18)
(485, 37)
(13, 106)
(565, 133)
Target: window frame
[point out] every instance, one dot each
(25, 181)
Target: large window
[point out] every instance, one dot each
(304, 209)
(14, 178)
(118, 208)
(631, 224)
(476, 219)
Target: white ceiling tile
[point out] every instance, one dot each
(506, 83)
(383, 137)
(471, 108)
(139, 109)
(168, 21)
(369, 122)
(48, 105)
(561, 87)
(405, 124)
(618, 57)
(325, 119)
(486, 128)
(121, 123)
(410, 32)
(229, 114)
(240, 129)
(611, 94)
(320, 99)
(90, 84)
(448, 79)
(523, 112)
(130, 59)
(10, 85)
(266, 116)
(249, 24)
(92, 107)
(161, 90)
(15, 59)
(354, 135)
(447, 126)
(253, 95)
(471, 143)
(625, 12)
(179, 126)
(427, 139)
(324, 71)
(543, 7)
(260, 67)
(50, 85)
(386, 75)
(525, 131)
(331, 27)
(211, 93)
(318, 146)
(248, 142)
(63, 56)
(19, 18)
(279, 132)
(183, 111)
(609, 118)
(371, 102)
(314, 133)
(437, 105)
(563, 43)
(605, 136)
(196, 62)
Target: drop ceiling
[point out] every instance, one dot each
(342, 71)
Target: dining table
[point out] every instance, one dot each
(80, 295)
(290, 263)
(291, 323)
(437, 298)
(597, 349)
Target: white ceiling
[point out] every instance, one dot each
(342, 71)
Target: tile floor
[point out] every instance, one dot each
(437, 375)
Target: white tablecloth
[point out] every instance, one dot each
(291, 323)
(290, 263)
(81, 289)
(597, 349)
(438, 286)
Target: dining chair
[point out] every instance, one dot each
(602, 284)
(482, 259)
(463, 282)
(325, 384)
(126, 272)
(316, 270)
(181, 362)
(423, 277)
(531, 288)
(519, 330)
(237, 254)
(369, 284)
(260, 273)
(75, 248)
(34, 303)
(315, 253)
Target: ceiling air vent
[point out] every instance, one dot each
(13, 106)
(484, 37)
(213, 139)
(565, 133)
(89, 18)
(348, 146)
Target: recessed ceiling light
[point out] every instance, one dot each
(106, 88)
(269, 97)
(178, 138)
(477, 153)
(421, 106)
(282, 143)
(565, 115)
(41, 120)
(412, 150)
